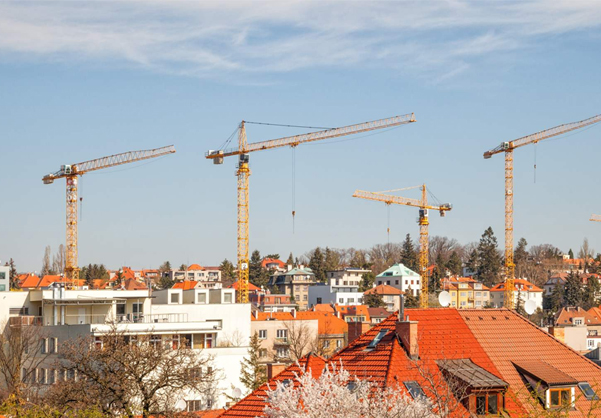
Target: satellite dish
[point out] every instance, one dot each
(530, 306)
(237, 393)
(181, 405)
(444, 298)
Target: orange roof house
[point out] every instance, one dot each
(186, 285)
(251, 287)
(384, 289)
(492, 352)
(194, 267)
(272, 263)
(568, 316)
(520, 284)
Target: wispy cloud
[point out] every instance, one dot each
(221, 39)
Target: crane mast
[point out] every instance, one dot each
(243, 173)
(71, 173)
(423, 228)
(508, 148)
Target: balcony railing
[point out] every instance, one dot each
(17, 321)
(85, 319)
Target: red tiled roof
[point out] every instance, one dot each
(384, 289)
(251, 287)
(328, 323)
(323, 307)
(567, 314)
(526, 286)
(378, 312)
(185, 285)
(508, 338)
(353, 310)
(266, 261)
(133, 284)
(195, 267)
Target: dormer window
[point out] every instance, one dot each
(554, 388)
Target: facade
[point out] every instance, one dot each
(271, 302)
(4, 278)
(342, 288)
(207, 319)
(524, 290)
(486, 362)
(348, 279)
(390, 295)
(402, 278)
(209, 277)
(295, 283)
(466, 292)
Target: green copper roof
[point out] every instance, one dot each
(398, 270)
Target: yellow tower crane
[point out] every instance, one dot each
(507, 148)
(423, 226)
(243, 173)
(595, 218)
(70, 173)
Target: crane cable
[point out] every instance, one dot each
(293, 187)
(80, 198)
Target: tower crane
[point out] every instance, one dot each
(595, 218)
(243, 173)
(423, 226)
(71, 172)
(507, 148)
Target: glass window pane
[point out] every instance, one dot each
(493, 404)
(480, 405)
(565, 396)
(554, 398)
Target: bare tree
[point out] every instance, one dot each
(443, 247)
(131, 375)
(299, 340)
(21, 340)
(59, 260)
(46, 266)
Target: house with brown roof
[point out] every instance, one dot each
(524, 291)
(467, 362)
(390, 295)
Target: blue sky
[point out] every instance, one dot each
(83, 80)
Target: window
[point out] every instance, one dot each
(378, 338)
(282, 334)
(120, 309)
(262, 334)
(262, 352)
(319, 301)
(195, 373)
(560, 397)
(462, 294)
(338, 343)
(227, 298)
(396, 282)
(2, 287)
(155, 340)
(487, 404)
(588, 392)
(478, 294)
(44, 345)
(453, 293)
(175, 341)
(2, 275)
(42, 376)
(414, 389)
(175, 298)
(282, 352)
(590, 343)
(52, 345)
(463, 303)
(340, 300)
(411, 281)
(305, 297)
(326, 344)
(51, 377)
(351, 300)
(478, 303)
(577, 321)
(194, 405)
(201, 298)
(388, 282)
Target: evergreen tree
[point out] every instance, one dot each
(86, 274)
(454, 264)
(411, 301)
(13, 276)
(573, 290)
(409, 254)
(571, 254)
(472, 261)
(290, 260)
(332, 260)
(252, 373)
(373, 300)
(228, 274)
(520, 257)
(183, 267)
(165, 282)
(367, 281)
(165, 268)
(489, 260)
(317, 264)
(555, 300)
(257, 275)
(590, 293)
(273, 256)
(519, 306)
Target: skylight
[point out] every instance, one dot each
(414, 389)
(378, 338)
(588, 391)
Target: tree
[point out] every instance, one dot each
(358, 259)
(555, 301)
(59, 260)
(165, 268)
(373, 300)
(228, 275)
(573, 290)
(332, 260)
(46, 266)
(489, 260)
(586, 253)
(165, 282)
(20, 343)
(591, 293)
(127, 377)
(13, 276)
(520, 257)
(454, 264)
(252, 373)
(367, 281)
(335, 393)
(300, 339)
(317, 264)
(409, 254)
(571, 254)
(411, 301)
(290, 260)
(438, 274)
(257, 275)
(274, 256)
(183, 267)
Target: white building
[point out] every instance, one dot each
(402, 278)
(207, 318)
(4, 278)
(209, 277)
(342, 288)
(523, 289)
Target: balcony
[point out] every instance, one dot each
(281, 341)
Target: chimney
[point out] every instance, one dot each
(559, 333)
(289, 267)
(293, 312)
(273, 369)
(406, 331)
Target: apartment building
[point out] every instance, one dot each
(209, 277)
(466, 292)
(295, 282)
(273, 302)
(402, 278)
(524, 290)
(390, 295)
(207, 319)
(342, 288)
(4, 278)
